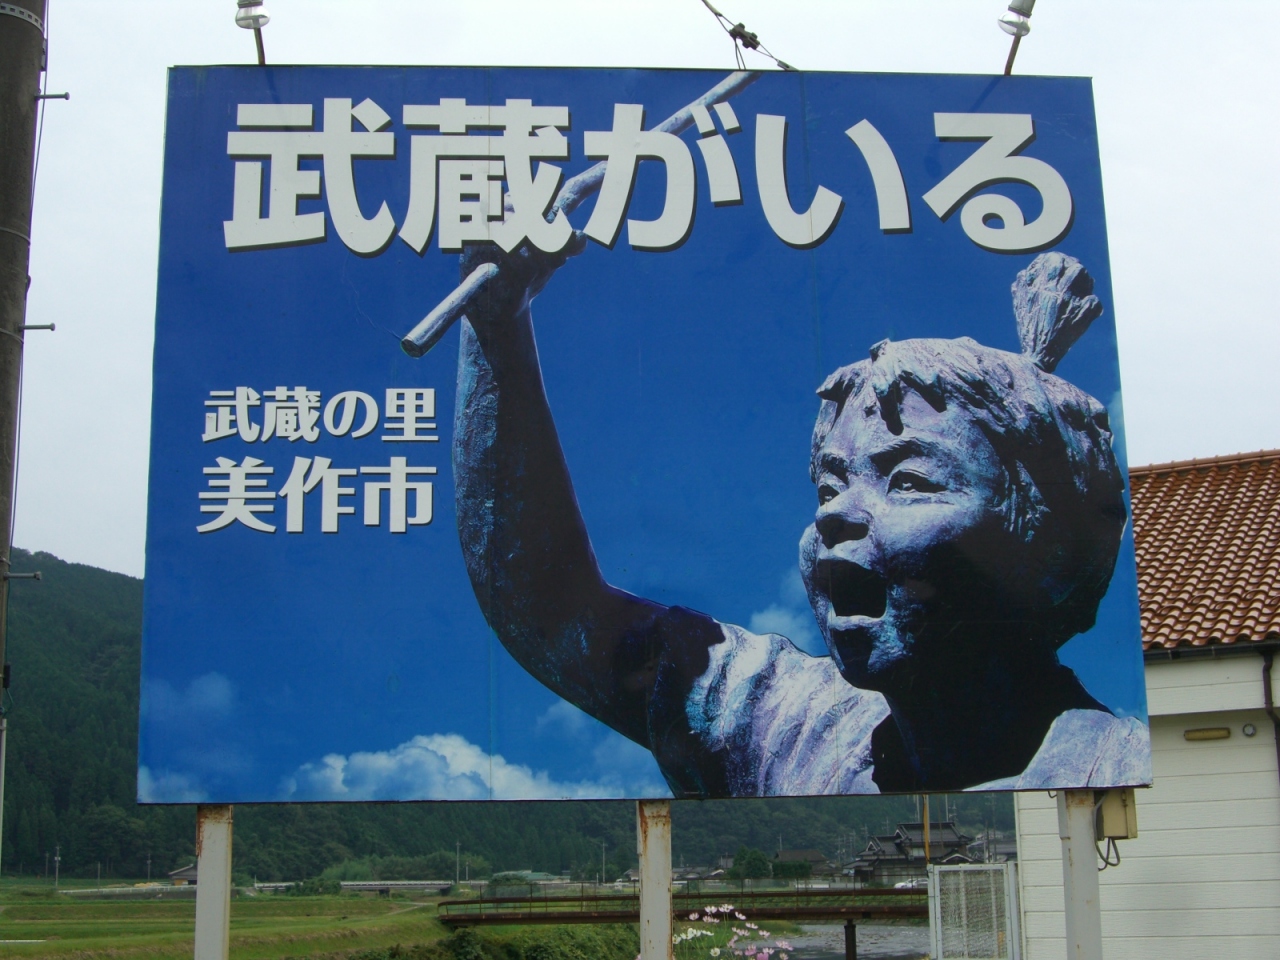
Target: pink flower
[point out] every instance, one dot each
(693, 916)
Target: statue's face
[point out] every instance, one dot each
(908, 560)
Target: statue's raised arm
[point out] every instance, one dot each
(523, 538)
(725, 712)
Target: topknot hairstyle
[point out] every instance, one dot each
(1054, 439)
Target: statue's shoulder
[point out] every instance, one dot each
(1086, 748)
(794, 723)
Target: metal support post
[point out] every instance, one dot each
(850, 940)
(213, 882)
(4, 732)
(21, 62)
(653, 841)
(1080, 875)
(927, 818)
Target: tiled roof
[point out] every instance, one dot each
(1207, 534)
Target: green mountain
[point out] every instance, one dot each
(74, 645)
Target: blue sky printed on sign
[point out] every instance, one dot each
(356, 665)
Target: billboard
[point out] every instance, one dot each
(565, 433)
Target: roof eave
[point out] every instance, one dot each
(1214, 651)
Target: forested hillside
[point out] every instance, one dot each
(74, 645)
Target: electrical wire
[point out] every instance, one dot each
(742, 37)
(1105, 856)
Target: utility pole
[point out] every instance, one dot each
(457, 862)
(22, 57)
(926, 831)
(57, 862)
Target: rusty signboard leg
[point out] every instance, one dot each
(653, 842)
(213, 882)
(850, 940)
(1080, 875)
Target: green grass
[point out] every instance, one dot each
(274, 926)
(262, 928)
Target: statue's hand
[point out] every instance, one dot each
(521, 276)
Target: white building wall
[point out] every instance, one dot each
(1206, 685)
(1202, 880)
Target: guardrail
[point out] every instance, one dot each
(800, 905)
(379, 886)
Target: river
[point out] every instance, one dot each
(876, 941)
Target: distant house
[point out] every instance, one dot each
(1202, 879)
(812, 857)
(686, 873)
(524, 876)
(183, 876)
(994, 849)
(797, 863)
(891, 858)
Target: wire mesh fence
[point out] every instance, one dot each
(973, 912)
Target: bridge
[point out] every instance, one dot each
(796, 905)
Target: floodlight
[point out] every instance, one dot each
(1015, 22)
(251, 14)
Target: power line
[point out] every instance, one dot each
(742, 37)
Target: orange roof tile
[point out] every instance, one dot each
(1207, 534)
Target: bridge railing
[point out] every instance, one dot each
(771, 904)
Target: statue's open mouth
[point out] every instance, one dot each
(854, 591)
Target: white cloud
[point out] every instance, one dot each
(791, 617)
(630, 765)
(564, 719)
(208, 696)
(440, 767)
(166, 787)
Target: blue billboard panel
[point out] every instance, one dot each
(535, 434)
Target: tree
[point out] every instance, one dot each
(749, 864)
(792, 869)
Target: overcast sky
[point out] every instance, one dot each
(1186, 96)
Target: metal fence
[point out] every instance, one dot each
(796, 905)
(973, 912)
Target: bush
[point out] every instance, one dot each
(434, 866)
(316, 887)
(615, 942)
(749, 864)
(792, 869)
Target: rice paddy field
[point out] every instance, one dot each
(38, 922)
(262, 927)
